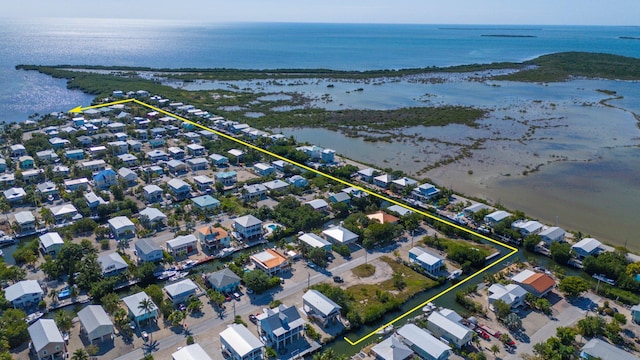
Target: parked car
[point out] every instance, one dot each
(338, 279)
(253, 318)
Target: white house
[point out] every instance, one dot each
(512, 294)
(445, 326)
(190, 352)
(320, 308)
(46, 340)
(152, 193)
(112, 264)
(586, 247)
(122, 227)
(552, 234)
(314, 241)
(496, 217)
(24, 294)
(432, 263)
(64, 213)
(51, 243)
(238, 343)
(527, 228)
(248, 227)
(95, 323)
(187, 244)
(148, 251)
(26, 222)
(339, 235)
(423, 343)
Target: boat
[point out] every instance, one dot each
(178, 276)
(385, 330)
(31, 318)
(1, 253)
(429, 308)
(166, 274)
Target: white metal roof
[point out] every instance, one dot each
(133, 303)
(50, 239)
(44, 332)
(421, 339)
(120, 222)
(191, 352)
(21, 288)
(240, 339)
(314, 240)
(453, 328)
(93, 317)
(180, 287)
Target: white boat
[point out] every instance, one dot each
(1, 253)
(31, 318)
(166, 274)
(385, 331)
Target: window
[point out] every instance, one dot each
(44, 352)
(57, 347)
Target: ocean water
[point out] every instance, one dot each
(158, 43)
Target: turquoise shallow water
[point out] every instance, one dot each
(158, 43)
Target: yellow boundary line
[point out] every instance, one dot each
(244, 143)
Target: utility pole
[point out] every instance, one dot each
(234, 310)
(308, 280)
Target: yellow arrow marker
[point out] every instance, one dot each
(344, 182)
(79, 109)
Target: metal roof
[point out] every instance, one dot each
(44, 332)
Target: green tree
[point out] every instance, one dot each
(513, 321)
(194, 305)
(110, 302)
(318, 256)
(495, 349)
(591, 326)
(176, 317)
(531, 241)
(63, 320)
(501, 308)
(256, 280)
(14, 328)
(155, 293)
(561, 252)
(80, 354)
(573, 286)
(147, 306)
(566, 335)
(271, 353)
(398, 280)
(216, 297)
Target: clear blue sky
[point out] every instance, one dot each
(540, 12)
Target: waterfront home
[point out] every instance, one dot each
(122, 227)
(496, 217)
(383, 180)
(227, 178)
(338, 197)
(190, 352)
(47, 156)
(154, 169)
(15, 195)
(425, 192)
(270, 261)
(26, 162)
(237, 128)
(367, 174)
(128, 159)
(195, 149)
(526, 228)
(219, 160)
(392, 348)
(224, 281)
(176, 153)
(47, 189)
(112, 264)
(314, 241)
(152, 193)
(318, 204)
(213, 238)
(402, 183)
(512, 294)
(320, 308)
(26, 222)
(129, 176)
(248, 227)
(203, 182)
(276, 186)
(586, 247)
(207, 134)
(157, 155)
(51, 243)
(182, 245)
(181, 291)
(58, 143)
(253, 192)
(151, 217)
(432, 263)
(281, 326)
(328, 156)
(423, 343)
(538, 284)
(75, 184)
(314, 152)
(24, 294)
(279, 165)
(339, 235)
(238, 343)
(552, 234)
(297, 181)
(94, 165)
(148, 251)
(445, 324)
(3, 165)
(601, 349)
(263, 169)
(400, 210)
(65, 213)
(176, 167)
(205, 202)
(105, 179)
(18, 150)
(383, 218)
(46, 340)
(95, 324)
(197, 164)
(180, 189)
(136, 312)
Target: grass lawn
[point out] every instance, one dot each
(374, 300)
(364, 270)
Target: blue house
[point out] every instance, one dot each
(106, 178)
(297, 181)
(180, 189)
(181, 291)
(219, 160)
(74, 154)
(26, 162)
(205, 202)
(227, 178)
(263, 169)
(224, 281)
(424, 192)
(328, 155)
(340, 197)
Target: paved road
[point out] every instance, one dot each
(243, 309)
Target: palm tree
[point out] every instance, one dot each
(80, 354)
(495, 349)
(147, 306)
(53, 295)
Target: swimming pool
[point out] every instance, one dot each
(273, 227)
(64, 293)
